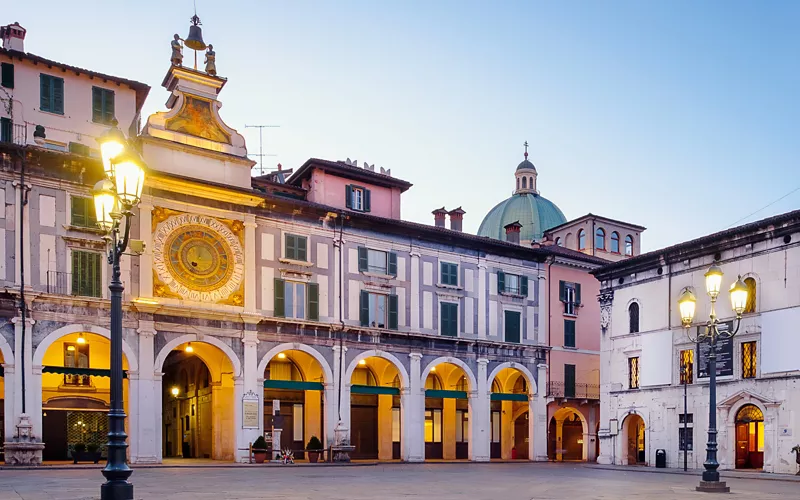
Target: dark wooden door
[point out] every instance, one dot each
(741, 446)
(54, 435)
(521, 436)
(364, 432)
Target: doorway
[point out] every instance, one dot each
(749, 438)
(635, 435)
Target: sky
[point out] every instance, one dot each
(675, 115)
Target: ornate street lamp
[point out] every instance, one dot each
(687, 304)
(114, 197)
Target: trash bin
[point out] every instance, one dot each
(661, 459)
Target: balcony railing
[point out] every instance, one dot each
(58, 282)
(17, 134)
(576, 391)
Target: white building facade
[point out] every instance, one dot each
(647, 356)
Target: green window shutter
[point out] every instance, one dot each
(364, 308)
(97, 104)
(78, 213)
(501, 282)
(45, 92)
(302, 252)
(58, 95)
(393, 312)
(569, 333)
(313, 301)
(449, 274)
(392, 267)
(96, 273)
(366, 200)
(7, 78)
(512, 324)
(363, 261)
(291, 247)
(523, 285)
(348, 196)
(449, 319)
(77, 272)
(569, 381)
(562, 291)
(108, 106)
(280, 299)
(6, 130)
(577, 293)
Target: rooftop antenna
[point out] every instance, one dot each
(261, 154)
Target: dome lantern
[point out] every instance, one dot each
(526, 176)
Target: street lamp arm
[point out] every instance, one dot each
(728, 335)
(122, 245)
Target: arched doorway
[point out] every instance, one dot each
(749, 437)
(198, 402)
(633, 433)
(566, 435)
(447, 419)
(76, 390)
(510, 414)
(294, 389)
(375, 408)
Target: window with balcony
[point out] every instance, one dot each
(513, 326)
(512, 284)
(687, 366)
(87, 273)
(569, 381)
(377, 261)
(749, 359)
(378, 310)
(633, 372)
(448, 319)
(76, 356)
(570, 295)
(6, 130)
(296, 300)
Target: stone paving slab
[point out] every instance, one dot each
(696, 472)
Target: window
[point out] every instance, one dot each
(297, 418)
(629, 245)
(600, 239)
(569, 381)
(296, 300)
(376, 261)
(6, 130)
(581, 240)
(558, 242)
(51, 94)
(462, 426)
(749, 359)
(495, 426)
(102, 105)
(750, 307)
(7, 75)
(512, 284)
(449, 319)
(433, 426)
(513, 324)
(449, 274)
(687, 366)
(296, 248)
(633, 317)
(76, 356)
(615, 242)
(524, 183)
(395, 425)
(357, 198)
(633, 372)
(569, 333)
(87, 273)
(570, 294)
(686, 436)
(82, 212)
(378, 310)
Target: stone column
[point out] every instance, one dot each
(415, 294)
(145, 399)
(331, 414)
(540, 415)
(146, 258)
(33, 380)
(413, 402)
(607, 441)
(239, 437)
(248, 385)
(480, 427)
(10, 389)
(341, 405)
(249, 263)
(483, 292)
(337, 288)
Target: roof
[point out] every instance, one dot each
(599, 217)
(141, 89)
(736, 236)
(536, 214)
(348, 171)
(526, 164)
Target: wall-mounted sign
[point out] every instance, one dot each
(724, 350)
(250, 410)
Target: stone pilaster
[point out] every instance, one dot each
(145, 398)
(539, 415)
(480, 416)
(250, 263)
(146, 258)
(414, 413)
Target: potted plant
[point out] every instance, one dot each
(78, 449)
(93, 452)
(796, 451)
(314, 448)
(260, 449)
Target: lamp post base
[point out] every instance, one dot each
(116, 490)
(713, 487)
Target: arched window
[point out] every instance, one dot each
(633, 317)
(524, 183)
(581, 240)
(629, 245)
(530, 182)
(433, 382)
(600, 239)
(462, 384)
(517, 183)
(750, 307)
(364, 376)
(558, 242)
(615, 242)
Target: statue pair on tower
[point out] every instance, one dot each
(195, 42)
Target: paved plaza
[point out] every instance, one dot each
(385, 482)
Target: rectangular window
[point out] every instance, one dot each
(513, 324)
(377, 261)
(6, 130)
(378, 310)
(295, 296)
(569, 381)
(395, 425)
(462, 426)
(449, 274)
(296, 300)
(569, 333)
(297, 424)
(357, 198)
(495, 426)
(433, 426)
(102, 105)
(296, 248)
(686, 438)
(687, 366)
(7, 75)
(570, 295)
(76, 356)
(633, 372)
(51, 94)
(749, 359)
(82, 212)
(449, 319)
(87, 273)
(689, 418)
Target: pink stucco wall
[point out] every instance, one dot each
(329, 189)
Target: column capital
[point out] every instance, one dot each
(415, 355)
(483, 361)
(414, 253)
(482, 266)
(146, 328)
(336, 348)
(8, 368)
(18, 319)
(542, 366)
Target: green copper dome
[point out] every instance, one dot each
(536, 214)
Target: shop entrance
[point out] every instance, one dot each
(749, 438)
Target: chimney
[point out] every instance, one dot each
(456, 216)
(438, 217)
(512, 232)
(13, 37)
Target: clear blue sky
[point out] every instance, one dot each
(679, 116)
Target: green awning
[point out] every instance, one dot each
(372, 389)
(293, 385)
(92, 372)
(432, 393)
(499, 396)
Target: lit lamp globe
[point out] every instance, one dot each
(687, 303)
(105, 202)
(739, 294)
(713, 281)
(112, 143)
(128, 178)
(175, 391)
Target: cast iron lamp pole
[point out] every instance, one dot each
(114, 197)
(687, 304)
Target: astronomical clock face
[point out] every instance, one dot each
(198, 258)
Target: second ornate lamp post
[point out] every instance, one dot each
(687, 304)
(114, 198)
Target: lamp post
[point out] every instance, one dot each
(114, 197)
(687, 304)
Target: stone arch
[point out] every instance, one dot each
(734, 411)
(207, 339)
(575, 411)
(291, 346)
(514, 366)
(622, 436)
(41, 349)
(404, 379)
(473, 382)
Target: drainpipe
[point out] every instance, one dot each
(23, 200)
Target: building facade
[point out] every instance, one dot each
(652, 362)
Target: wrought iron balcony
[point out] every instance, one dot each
(14, 133)
(573, 391)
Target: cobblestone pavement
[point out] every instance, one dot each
(385, 482)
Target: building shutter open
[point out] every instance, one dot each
(313, 301)
(280, 299)
(393, 312)
(363, 259)
(364, 308)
